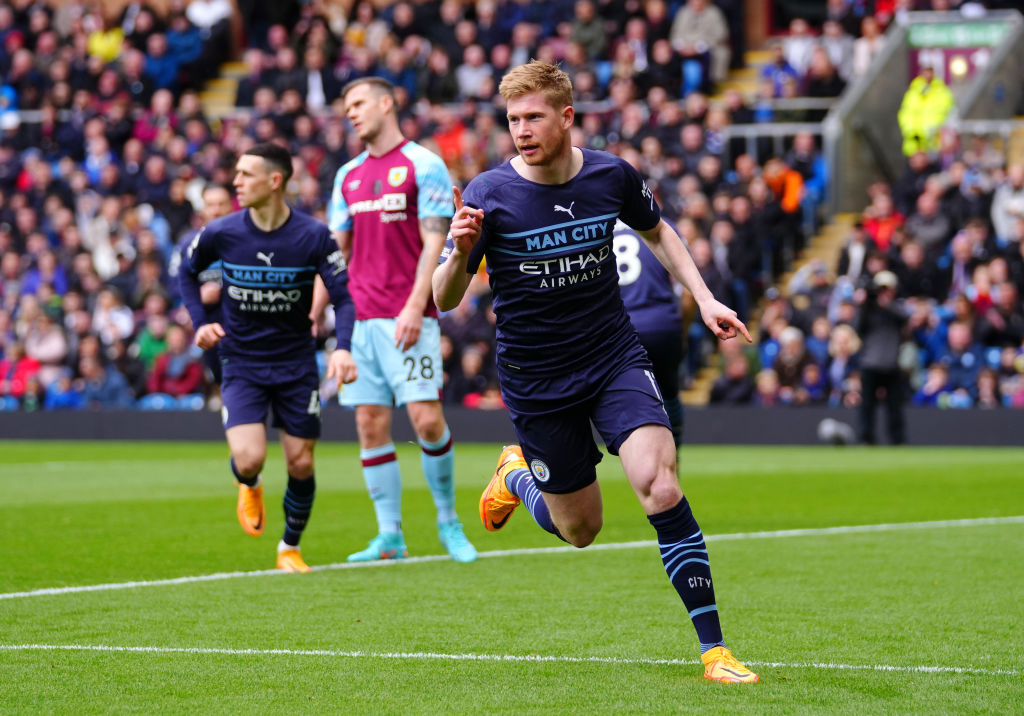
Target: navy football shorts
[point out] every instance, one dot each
(291, 390)
(559, 444)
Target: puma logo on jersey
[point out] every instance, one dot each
(566, 210)
(265, 257)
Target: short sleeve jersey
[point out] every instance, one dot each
(381, 200)
(551, 263)
(268, 284)
(647, 288)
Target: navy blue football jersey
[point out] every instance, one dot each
(552, 267)
(647, 287)
(268, 285)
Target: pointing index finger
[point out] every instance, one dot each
(458, 197)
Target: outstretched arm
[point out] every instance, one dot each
(672, 252)
(450, 279)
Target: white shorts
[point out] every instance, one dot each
(389, 376)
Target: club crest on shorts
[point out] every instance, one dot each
(540, 471)
(397, 175)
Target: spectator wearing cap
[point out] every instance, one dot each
(880, 324)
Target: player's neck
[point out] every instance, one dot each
(387, 139)
(270, 215)
(559, 171)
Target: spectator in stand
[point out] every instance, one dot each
(925, 106)
(779, 71)
(734, 386)
(798, 45)
(102, 386)
(46, 343)
(854, 253)
(1002, 324)
(322, 88)
(177, 372)
(255, 77)
(964, 359)
(822, 79)
(17, 370)
(918, 275)
(958, 270)
(987, 390)
(866, 46)
(935, 390)
(767, 393)
(62, 394)
(700, 35)
(789, 366)
(805, 158)
(161, 66)
(1008, 204)
(880, 324)
(839, 45)
(881, 219)
(843, 365)
(588, 29)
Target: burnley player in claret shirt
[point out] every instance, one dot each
(390, 211)
(568, 356)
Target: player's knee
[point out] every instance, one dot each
(249, 462)
(428, 424)
(372, 427)
(300, 466)
(664, 494)
(583, 533)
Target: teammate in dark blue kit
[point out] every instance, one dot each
(217, 202)
(567, 353)
(649, 296)
(270, 257)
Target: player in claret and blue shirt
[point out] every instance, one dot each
(390, 210)
(271, 256)
(567, 353)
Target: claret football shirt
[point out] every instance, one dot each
(381, 201)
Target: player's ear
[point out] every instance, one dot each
(568, 116)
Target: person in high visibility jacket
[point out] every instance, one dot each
(926, 104)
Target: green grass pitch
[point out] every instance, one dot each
(898, 618)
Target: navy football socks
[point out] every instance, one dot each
(298, 503)
(520, 483)
(685, 557)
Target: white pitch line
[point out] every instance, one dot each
(531, 658)
(773, 534)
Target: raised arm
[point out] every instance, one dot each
(672, 252)
(450, 279)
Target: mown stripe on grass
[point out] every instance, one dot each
(537, 658)
(771, 534)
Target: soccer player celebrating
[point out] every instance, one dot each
(270, 256)
(390, 210)
(567, 353)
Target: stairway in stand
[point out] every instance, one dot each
(218, 95)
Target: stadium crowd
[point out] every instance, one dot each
(105, 151)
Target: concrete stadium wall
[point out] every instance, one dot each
(704, 426)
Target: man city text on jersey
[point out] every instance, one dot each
(551, 263)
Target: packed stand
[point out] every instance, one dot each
(105, 152)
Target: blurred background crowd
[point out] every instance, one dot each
(106, 149)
